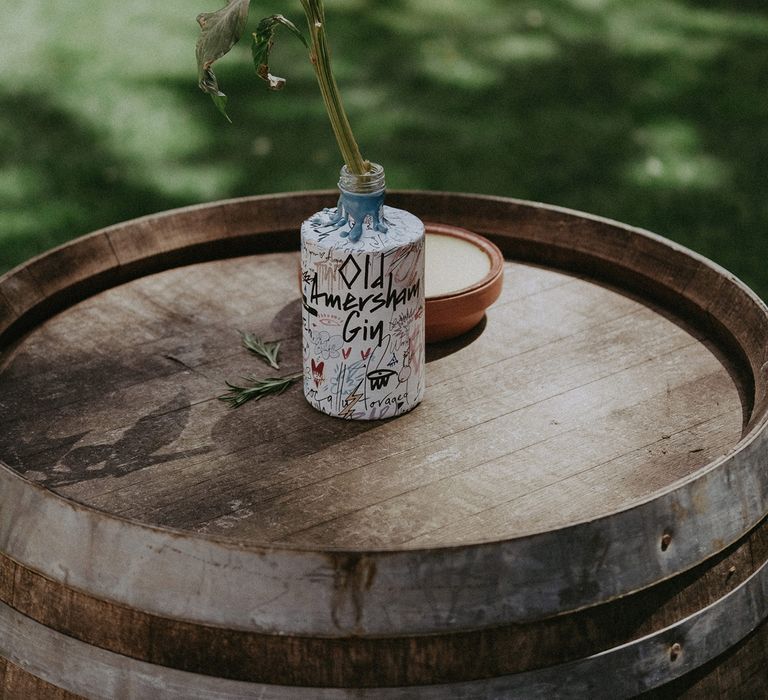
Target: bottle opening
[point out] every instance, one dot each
(368, 183)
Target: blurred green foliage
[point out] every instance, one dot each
(654, 113)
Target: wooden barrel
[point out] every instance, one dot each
(576, 510)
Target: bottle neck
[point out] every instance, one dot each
(370, 182)
(361, 204)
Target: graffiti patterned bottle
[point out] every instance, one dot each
(362, 266)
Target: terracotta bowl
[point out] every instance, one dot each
(451, 314)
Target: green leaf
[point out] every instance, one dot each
(263, 40)
(220, 31)
(220, 100)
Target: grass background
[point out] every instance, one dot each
(654, 113)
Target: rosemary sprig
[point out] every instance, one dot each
(258, 387)
(271, 386)
(266, 350)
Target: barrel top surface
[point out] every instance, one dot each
(573, 400)
(604, 429)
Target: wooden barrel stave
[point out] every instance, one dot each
(621, 255)
(622, 672)
(660, 612)
(17, 684)
(737, 673)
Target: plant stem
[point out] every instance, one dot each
(321, 60)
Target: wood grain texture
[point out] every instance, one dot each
(602, 431)
(17, 684)
(392, 661)
(126, 420)
(621, 672)
(738, 674)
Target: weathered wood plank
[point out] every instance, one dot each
(456, 454)
(738, 674)
(20, 291)
(620, 672)
(505, 494)
(17, 684)
(551, 338)
(380, 661)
